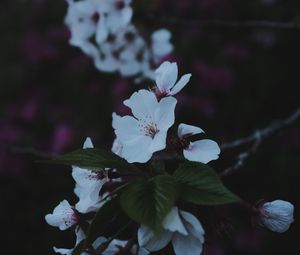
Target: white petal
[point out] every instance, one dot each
(102, 32)
(137, 150)
(63, 251)
(166, 76)
(193, 225)
(173, 223)
(188, 130)
(63, 216)
(165, 114)
(100, 240)
(149, 241)
(113, 247)
(115, 119)
(88, 143)
(180, 84)
(127, 129)
(186, 245)
(202, 151)
(159, 142)
(142, 103)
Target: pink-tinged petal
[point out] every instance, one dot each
(149, 241)
(137, 150)
(180, 84)
(193, 225)
(63, 216)
(159, 142)
(142, 104)
(188, 130)
(166, 76)
(165, 114)
(202, 151)
(173, 223)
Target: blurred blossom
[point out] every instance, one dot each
(217, 78)
(63, 137)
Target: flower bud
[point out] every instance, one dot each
(277, 215)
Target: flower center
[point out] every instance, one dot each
(151, 130)
(95, 17)
(120, 5)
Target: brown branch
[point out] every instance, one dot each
(262, 134)
(256, 138)
(217, 23)
(27, 150)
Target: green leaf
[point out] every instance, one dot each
(149, 201)
(199, 184)
(91, 158)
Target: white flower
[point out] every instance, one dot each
(146, 132)
(161, 45)
(277, 215)
(85, 19)
(180, 227)
(63, 216)
(115, 245)
(200, 151)
(88, 185)
(166, 76)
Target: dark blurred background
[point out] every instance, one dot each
(52, 97)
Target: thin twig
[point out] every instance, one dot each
(264, 133)
(217, 23)
(27, 150)
(256, 138)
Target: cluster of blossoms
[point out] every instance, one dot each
(102, 29)
(150, 130)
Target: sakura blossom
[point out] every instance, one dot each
(145, 132)
(277, 215)
(166, 76)
(88, 185)
(179, 227)
(203, 150)
(103, 30)
(64, 216)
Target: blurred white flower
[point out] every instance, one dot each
(203, 150)
(64, 216)
(277, 215)
(103, 31)
(88, 185)
(85, 19)
(180, 227)
(166, 76)
(145, 132)
(160, 44)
